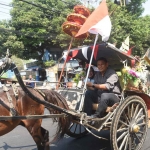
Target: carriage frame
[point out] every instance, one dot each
(128, 123)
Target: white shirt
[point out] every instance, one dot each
(89, 80)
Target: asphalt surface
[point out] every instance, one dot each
(20, 139)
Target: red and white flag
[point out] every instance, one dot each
(98, 22)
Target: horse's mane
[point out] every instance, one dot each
(56, 99)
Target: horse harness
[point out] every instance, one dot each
(10, 100)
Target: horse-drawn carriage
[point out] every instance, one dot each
(128, 123)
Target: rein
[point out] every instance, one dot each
(9, 65)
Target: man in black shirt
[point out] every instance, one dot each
(106, 89)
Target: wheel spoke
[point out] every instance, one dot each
(141, 132)
(133, 142)
(126, 144)
(137, 137)
(122, 129)
(139, 119)
(121, 136)
(75, 128)
(123, 123)
(136, 110)
(132, 110)
(129, 114)
(130, 142)
(123, 142)
(71, 126)
(141, 124)
(126, 117)
(138, 113)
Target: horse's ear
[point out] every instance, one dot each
(8, 54)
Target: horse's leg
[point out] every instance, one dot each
(39, 134)
(45, 134)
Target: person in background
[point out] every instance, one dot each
(70, 79)
(31, 84)
(91, 75)
(24, 78)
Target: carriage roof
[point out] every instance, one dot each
(114, 56)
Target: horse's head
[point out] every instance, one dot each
(5, 63)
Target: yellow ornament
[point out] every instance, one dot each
(125, 70)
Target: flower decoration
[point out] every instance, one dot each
(134, 78)
(130, 77)
(130, 74)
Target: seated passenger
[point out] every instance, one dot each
(105, 90)
(91, 75)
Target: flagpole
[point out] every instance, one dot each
(84, 88)
(64, 63)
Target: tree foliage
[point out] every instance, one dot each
(135, 7)
(124, 24)
(40, 25)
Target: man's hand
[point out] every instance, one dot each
(89, 84)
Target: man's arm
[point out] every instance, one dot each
(100, 86)
(111, 81)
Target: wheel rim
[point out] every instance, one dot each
(131, 127)
(76, 130)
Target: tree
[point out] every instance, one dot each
(38, 25)
(8, 39)
(135, 7)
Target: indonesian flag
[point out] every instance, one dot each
(98, 22)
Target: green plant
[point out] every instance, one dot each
(78, 76)
(49, 63)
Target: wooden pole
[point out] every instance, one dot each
(113, 11)
(64, 63)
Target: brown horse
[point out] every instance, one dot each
(24, 105)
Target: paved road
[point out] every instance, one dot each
(20, 139)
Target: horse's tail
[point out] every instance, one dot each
(63, 122)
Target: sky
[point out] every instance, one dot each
(147, 8)
(4, 10)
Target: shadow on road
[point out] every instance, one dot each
(6, 146)
(88, 142)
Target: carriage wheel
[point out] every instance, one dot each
(129, 125)
(76, 130)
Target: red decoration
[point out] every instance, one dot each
(77, 18)
(75, 21)
(82, 10)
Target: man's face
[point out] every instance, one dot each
(102, 65)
